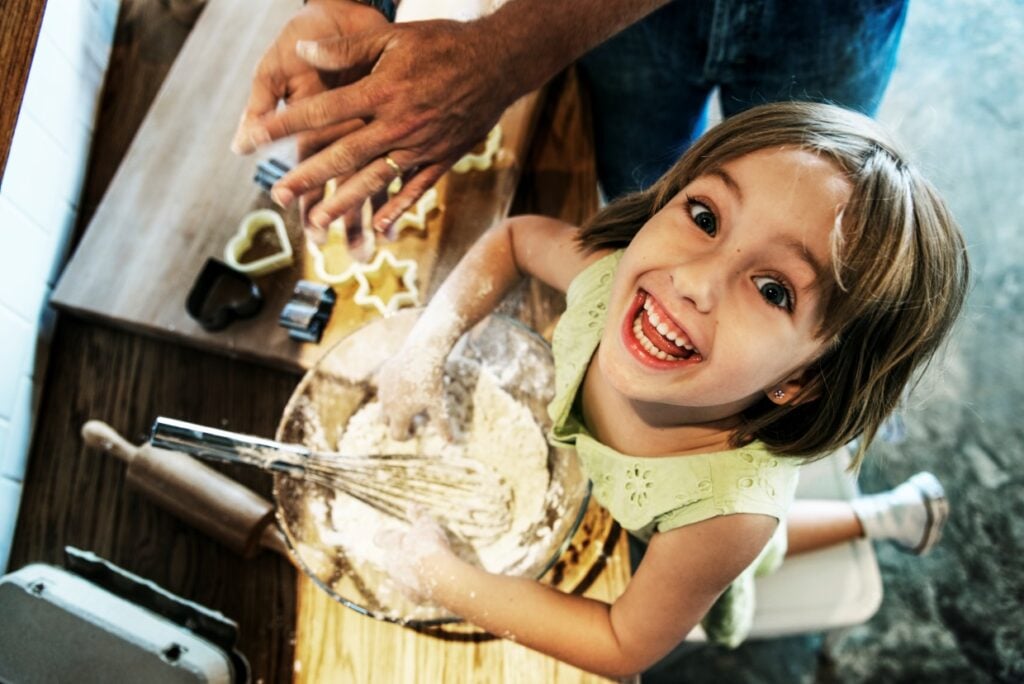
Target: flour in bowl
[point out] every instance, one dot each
(487, 424)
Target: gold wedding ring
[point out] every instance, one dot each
(394, 165)
(395, 186)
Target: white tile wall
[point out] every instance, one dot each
(38, 200)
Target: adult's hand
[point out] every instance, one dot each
(282, 75)
(426, 91)
(409, 98)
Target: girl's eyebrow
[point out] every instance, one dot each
(729, 181)
(800, 250)
(791, 245)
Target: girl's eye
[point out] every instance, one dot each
(702, 216)
(774, 292)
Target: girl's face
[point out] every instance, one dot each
(716, 300)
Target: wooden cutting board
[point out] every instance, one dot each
(180, 195)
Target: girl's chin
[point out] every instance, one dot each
(629, 378)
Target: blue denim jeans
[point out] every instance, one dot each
(650, 85)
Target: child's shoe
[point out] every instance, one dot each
(911, 515)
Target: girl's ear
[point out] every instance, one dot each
(794, 390)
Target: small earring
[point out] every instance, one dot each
(778, 394)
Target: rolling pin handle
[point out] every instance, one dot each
(99, 435)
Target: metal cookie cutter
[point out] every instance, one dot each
(222, 295)
(269, 172)
(306, 314)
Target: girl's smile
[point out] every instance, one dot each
(650, 334)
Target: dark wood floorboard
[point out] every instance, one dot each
(77, 497)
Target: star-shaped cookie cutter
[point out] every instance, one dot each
(484, 160)
(416, 217)
(364, 296)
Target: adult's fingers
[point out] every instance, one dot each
(333, 107)
(262, 99)
(340, 159)
(344, 53)
(309, 143)
(352, 56)
(412, 190)
(367, 182)
(307, 201)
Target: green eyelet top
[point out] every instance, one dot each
(648, 495)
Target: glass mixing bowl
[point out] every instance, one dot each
(341, 382)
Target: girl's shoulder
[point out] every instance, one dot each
(594, 274)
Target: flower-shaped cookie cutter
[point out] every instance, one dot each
(337, 233)
(484, 160)
(316, 253)
(365, 296)
(306, 314)
(252, 225)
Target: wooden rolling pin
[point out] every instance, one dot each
(199, 495)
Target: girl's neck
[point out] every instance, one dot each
(640, 429)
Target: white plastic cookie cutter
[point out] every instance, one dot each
(366, 295)
(416, 217)
(484, 160)
(252, 225)
(337, 238)
(320, 270)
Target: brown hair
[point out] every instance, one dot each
(899, 263)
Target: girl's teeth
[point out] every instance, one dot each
(663, 328)
(648, 346)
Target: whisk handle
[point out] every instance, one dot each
(212, 444)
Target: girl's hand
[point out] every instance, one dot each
(409, 553)
(410, 383)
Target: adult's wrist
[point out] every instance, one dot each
(385, 7)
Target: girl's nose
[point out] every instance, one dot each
(698, 281)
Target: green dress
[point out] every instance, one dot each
(648, 495)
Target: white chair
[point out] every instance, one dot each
(819, 590)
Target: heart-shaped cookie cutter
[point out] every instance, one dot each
(252, 224)
(212, 273)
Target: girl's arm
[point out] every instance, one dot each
(535, 246)
(682, 573)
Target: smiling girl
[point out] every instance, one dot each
(762, 305)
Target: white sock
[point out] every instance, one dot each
(911, 515)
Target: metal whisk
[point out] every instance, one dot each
(464, 495)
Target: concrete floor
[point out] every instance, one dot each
(957, 102)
